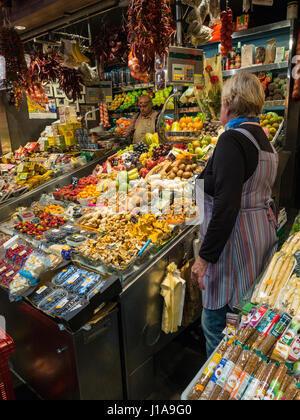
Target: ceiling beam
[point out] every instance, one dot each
(67, 19)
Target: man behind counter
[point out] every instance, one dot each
(144, 122)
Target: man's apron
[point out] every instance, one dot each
(143, 126)
(253, 240)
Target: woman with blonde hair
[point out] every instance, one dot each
(238, 231)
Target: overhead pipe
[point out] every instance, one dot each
(71, 19)
(178, 6)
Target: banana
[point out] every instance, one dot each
(82, 57)
(74, 53)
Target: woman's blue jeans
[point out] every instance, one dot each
(213, 323)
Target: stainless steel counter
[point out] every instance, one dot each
(141, 307)
(59, 364)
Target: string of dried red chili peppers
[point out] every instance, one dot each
(11, 47)
(150, 27)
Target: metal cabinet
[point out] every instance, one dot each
(60, 365)
(141, 307)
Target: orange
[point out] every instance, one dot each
(189, 120)
(197, 119)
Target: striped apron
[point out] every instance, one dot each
(253, 240)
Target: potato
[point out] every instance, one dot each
(188, 168)
(187, 175)
(172, 175)
(175, 170)
(182, 167)
(194, 166)
(180, 173)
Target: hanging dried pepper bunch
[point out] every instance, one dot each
(11, 47)
(45, 68)
(110, 45)
(70, 81)
(150, 28)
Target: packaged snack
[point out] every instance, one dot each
(52, 300)
(282, 348)
(38, 295)
(245, 321)
(260, 54)
(89, 284)
(251, 367)
(212, 390)
(201, 384)
(248, 55)
(245, 333)
(61, 277)
(35, 265)
(18, 286)
(259, 375)
(232, 324)
(276, 383)
(229, 366)
(275, 334)
(265, 382)
(55, 236)
(286, 382)
(270, 52)
(294, 351)
(71, 283)
(235, 374)
(297, 396)
(66, 305)
(269, 323)
(291, 391)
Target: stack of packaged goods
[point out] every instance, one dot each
(254, 365)
(260, 360)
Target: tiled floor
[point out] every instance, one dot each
(176, 366)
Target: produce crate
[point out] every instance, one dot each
(7, 347)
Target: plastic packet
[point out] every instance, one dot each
(55, 236)
(35, 265)
(235, 374)
(89, 283)
(18, 286)
(203, 381)
(95, 290)
(61, 277)
(52, 300)
(259, 375)
(66, 305)
(39, 294)
(73, 283)
(226, 371)
(251, 367)
(289, 297)
(208, 391)
(270, 52)
(276, 383)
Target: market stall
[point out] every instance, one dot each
(97, 232)
(259, 357)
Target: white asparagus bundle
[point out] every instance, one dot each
(281, 279)
(277, 273)
(261, 284)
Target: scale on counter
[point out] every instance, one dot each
(184, 67)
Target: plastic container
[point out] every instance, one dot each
(40, 294)
(52, 300)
